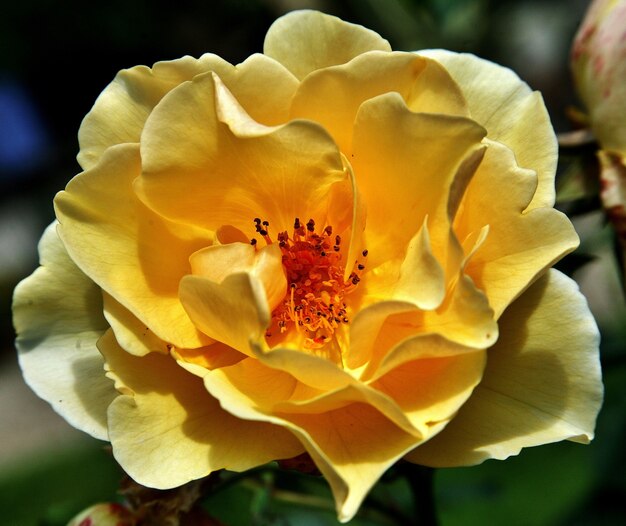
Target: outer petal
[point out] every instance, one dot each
(106, 228)
(351, 445)
(206, 162)
(167, 430)
(513, 114)
(304, 41)
(57, 313)
(121, 110)
(521, 243)
(542, 382)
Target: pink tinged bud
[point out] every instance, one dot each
(598, 61)
(104, 514)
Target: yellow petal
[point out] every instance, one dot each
(200, 170)
(119, 114)
(272, 391)
(212, 356)
(304, 41)
(513, 114)
(352, 445)
(218, 262)
(542, 382)
(418, 279)
(363, 444)
(233, 291)
(366, 327)
(520, 244)
(316, 371)
(430, 389)
(132, 335)
(167, 430)
(234, 312)
(333, 96)
(405, 181)
(465, 317)
(132, 253)
(57, 314)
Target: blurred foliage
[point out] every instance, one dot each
(62, 54)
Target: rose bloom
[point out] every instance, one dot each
(330, 248)
(598, 61)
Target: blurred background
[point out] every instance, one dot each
(56, 57)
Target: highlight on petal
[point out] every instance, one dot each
(135, 255)
(521, 243)
(542, 383)
(120, 112)
(208, 172)
(57, 314)
(513, 115)
(166, 429)
(305, 41)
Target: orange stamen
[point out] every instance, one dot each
(314, 303)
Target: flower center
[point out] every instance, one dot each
(314, 303)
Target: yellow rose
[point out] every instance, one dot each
(331, 248)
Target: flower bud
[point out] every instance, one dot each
(104, 514)
(599, 68)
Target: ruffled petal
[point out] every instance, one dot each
(166, 429)
(304, 41)
(512, 113)
(207, 162)
(542, 383)
(406, 181)
(57, 314)
(120, 112)
(521, 243)
(333, 96)
(419, 279)
(465, 317)
(106, 228)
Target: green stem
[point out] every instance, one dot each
(420, 479)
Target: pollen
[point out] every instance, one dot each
(314, 304)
